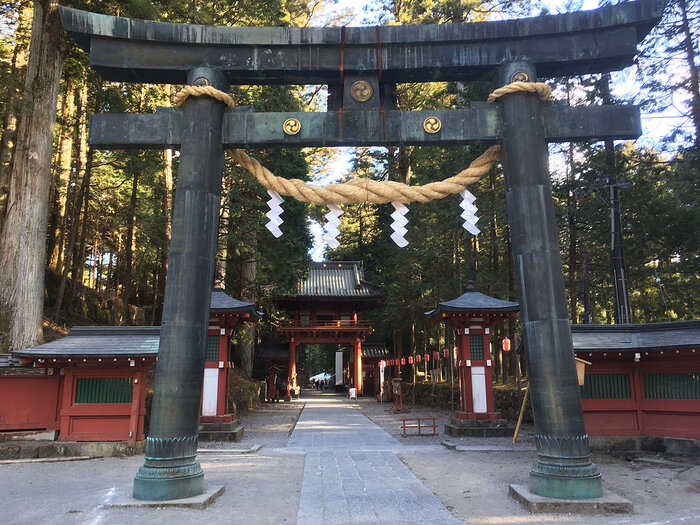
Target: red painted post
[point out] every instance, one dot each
(358, 366)
(490, 406)
(292, 367)
(465, 377)
(137, 390)
(222, 387)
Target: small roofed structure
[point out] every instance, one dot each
(95, 378)
(472, 315)
(643, 380)
(325, 309)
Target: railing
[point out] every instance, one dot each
(337, 323)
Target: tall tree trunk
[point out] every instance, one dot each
(694, 72)
(73, 237)
(79, 259)
(23, 243)
(404, 165)
(573, 239)
(12, 107)
(223, 240)
(62, 179)
(167, 205)
(494, 231)
(128, 286)
(249, 273)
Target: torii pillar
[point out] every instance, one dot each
(170, 470)
(563, 468)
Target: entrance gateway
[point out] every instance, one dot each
(374, 59)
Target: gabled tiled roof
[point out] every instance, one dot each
(222, 302)
(630, 337)
(336, 279)
(124, 341)
(100, 341)
(473, 301)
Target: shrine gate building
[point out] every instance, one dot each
(326, 310)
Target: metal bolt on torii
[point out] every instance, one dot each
(361, 67)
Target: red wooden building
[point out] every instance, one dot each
(326, 310)
(644, 379)
(93, 385)
(473, 315)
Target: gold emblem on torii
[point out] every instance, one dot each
(361, 91)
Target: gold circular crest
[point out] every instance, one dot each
(432, 125)
(201, 82)
(521, 76)
(361, 91)
(291, 126)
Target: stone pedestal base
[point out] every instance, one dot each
(231, 431)
(164, 483)
(202, 501)
(479, 428)
(608, 503)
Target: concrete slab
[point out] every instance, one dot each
(251, 450)
(46, 460)
(609, 503)
(485, 448)
(197, 502)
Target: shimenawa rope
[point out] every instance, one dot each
(366, 190)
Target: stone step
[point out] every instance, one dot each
(214, 427)
(235, 434)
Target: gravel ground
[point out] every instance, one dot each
(381, 414)
(265, 487)
(473, 485)
(269, 427)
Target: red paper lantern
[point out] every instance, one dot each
(446, 352)
(418, 358)
(403, 360)
(436, 356)
(427, 358)
(505, 344)
(410, 359)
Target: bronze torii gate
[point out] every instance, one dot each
(128, 50)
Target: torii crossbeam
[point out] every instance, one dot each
(373, 59)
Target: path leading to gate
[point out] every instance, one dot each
(351, 472)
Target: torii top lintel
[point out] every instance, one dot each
(128, 50)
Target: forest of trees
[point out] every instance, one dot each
(84, 233)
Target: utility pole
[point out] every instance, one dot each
(623, 314)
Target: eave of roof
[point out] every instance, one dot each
(474, 301)
(335, 279)
(100, 341)
(634, 337)
(222, 302)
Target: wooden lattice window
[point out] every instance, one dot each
(103, 389)
(476, 346)
(606, 386)
(212, 353)
(672, 386)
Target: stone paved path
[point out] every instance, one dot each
(351, 472)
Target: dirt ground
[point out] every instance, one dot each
(264, 487)
(473, 485)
